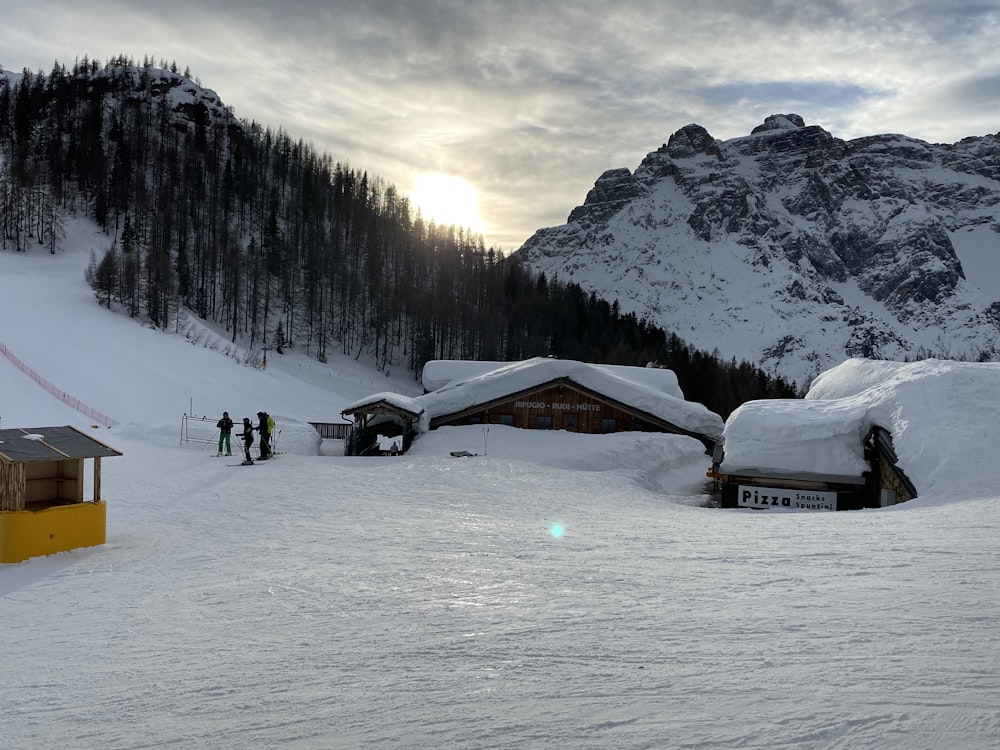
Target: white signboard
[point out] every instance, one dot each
(774, 498)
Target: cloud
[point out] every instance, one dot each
(529, 101)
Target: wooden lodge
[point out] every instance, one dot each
(43, 509)
(562, 404)
(882, 485)
(539, 394)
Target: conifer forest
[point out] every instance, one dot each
(283, 246)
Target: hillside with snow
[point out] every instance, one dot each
(793, 249)
(553, 590)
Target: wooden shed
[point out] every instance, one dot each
(43, 508)
(389, 415)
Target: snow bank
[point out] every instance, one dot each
(576, 451)
(942, 418)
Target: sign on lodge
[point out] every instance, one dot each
(782, 498)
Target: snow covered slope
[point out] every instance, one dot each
(554, 591)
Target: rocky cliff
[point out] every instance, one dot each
(794, 249)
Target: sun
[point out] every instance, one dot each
(447, 199)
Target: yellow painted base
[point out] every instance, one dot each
(26, 533)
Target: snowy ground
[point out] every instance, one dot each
(427, 601)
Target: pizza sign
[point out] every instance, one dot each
(775, 498)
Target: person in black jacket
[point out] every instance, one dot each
(247, 439)
(225, 426)
(265, 435)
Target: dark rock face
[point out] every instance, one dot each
(611, 193)
(689, 141)
(792, 248)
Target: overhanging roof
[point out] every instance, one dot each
(385, 403)
(794, 476)
(23, 444)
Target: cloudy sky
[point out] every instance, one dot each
(517, 107)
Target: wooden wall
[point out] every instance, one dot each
(12, 486)
(557, 407)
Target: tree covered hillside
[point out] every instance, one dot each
(281, 245)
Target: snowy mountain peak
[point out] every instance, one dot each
(794, 249)
(780, 122)
(690, 141)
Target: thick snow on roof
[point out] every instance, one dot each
(437, 373)
(938, 412)
(397, 400)
(793, 437)
(440, 372)
(630, 385)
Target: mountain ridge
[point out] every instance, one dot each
(794, 249)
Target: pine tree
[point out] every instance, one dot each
(105, 277)
(279, 338)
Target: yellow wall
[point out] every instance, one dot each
(25, 533)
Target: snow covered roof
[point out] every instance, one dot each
(396, 401)
(650, 390)
(437, 373)
(785, 437)
(440, 372)
(937, 412)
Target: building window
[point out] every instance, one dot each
(608, 425)
(543, 423)
(507, 419)
(570, 422)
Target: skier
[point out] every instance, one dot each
(225, 426)
(247, 440)
(271, 438)
(265, 436)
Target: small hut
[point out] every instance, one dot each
(381, 416)
(42, 504)
(808, 455)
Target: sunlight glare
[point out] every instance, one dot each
(448, 200)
